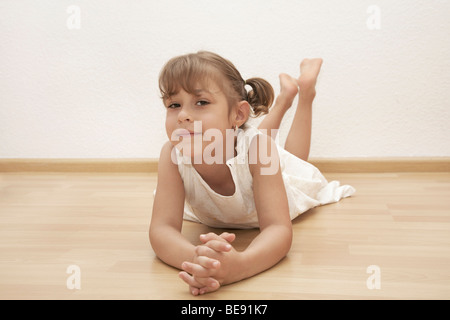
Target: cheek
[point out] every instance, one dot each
(219, 121)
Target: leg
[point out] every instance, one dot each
(298, 140)
(288, 90)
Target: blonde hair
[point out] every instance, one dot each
(187, 71)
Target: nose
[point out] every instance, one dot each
(184, 115)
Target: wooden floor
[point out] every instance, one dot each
(399, 223)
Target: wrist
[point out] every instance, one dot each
(243, 266)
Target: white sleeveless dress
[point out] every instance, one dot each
(305, 186)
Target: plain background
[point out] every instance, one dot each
(81, 82)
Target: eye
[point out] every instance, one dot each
(202, 103)
(173, 106)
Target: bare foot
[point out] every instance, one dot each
(309, 71)
(288, 91)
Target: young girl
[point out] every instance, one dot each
(218, 170)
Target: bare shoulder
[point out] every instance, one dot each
(166, 149)
(166, 156)
(263, 156)
(167, 166)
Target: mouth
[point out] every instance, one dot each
(187, 133)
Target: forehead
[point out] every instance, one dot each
(198, 89)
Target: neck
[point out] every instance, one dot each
(215, 168)
(218, 177)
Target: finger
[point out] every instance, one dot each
(207, 262)
(195, 269)
(204, 250)
(199, 285)
(213, 252)
(209, 236)
(194, 291)
(194, 285)
(213, 285)
(219, 245)
(228, 236)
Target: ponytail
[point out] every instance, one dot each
(261, 96)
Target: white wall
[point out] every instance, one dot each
(92, 92)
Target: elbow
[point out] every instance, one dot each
(283, 234)
(153, 239)
(289, 237)
(157, 245)
(150, 236)
(286, 238)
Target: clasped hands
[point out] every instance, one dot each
(215, 263)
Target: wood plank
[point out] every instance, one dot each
(361, 165)
(340, 165)
(99, 222)
(78, 165)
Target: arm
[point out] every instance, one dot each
(275, 238)
(274, 241)
(167, 217)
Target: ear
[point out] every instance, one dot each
(242, 112)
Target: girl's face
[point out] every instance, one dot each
(197, 124)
